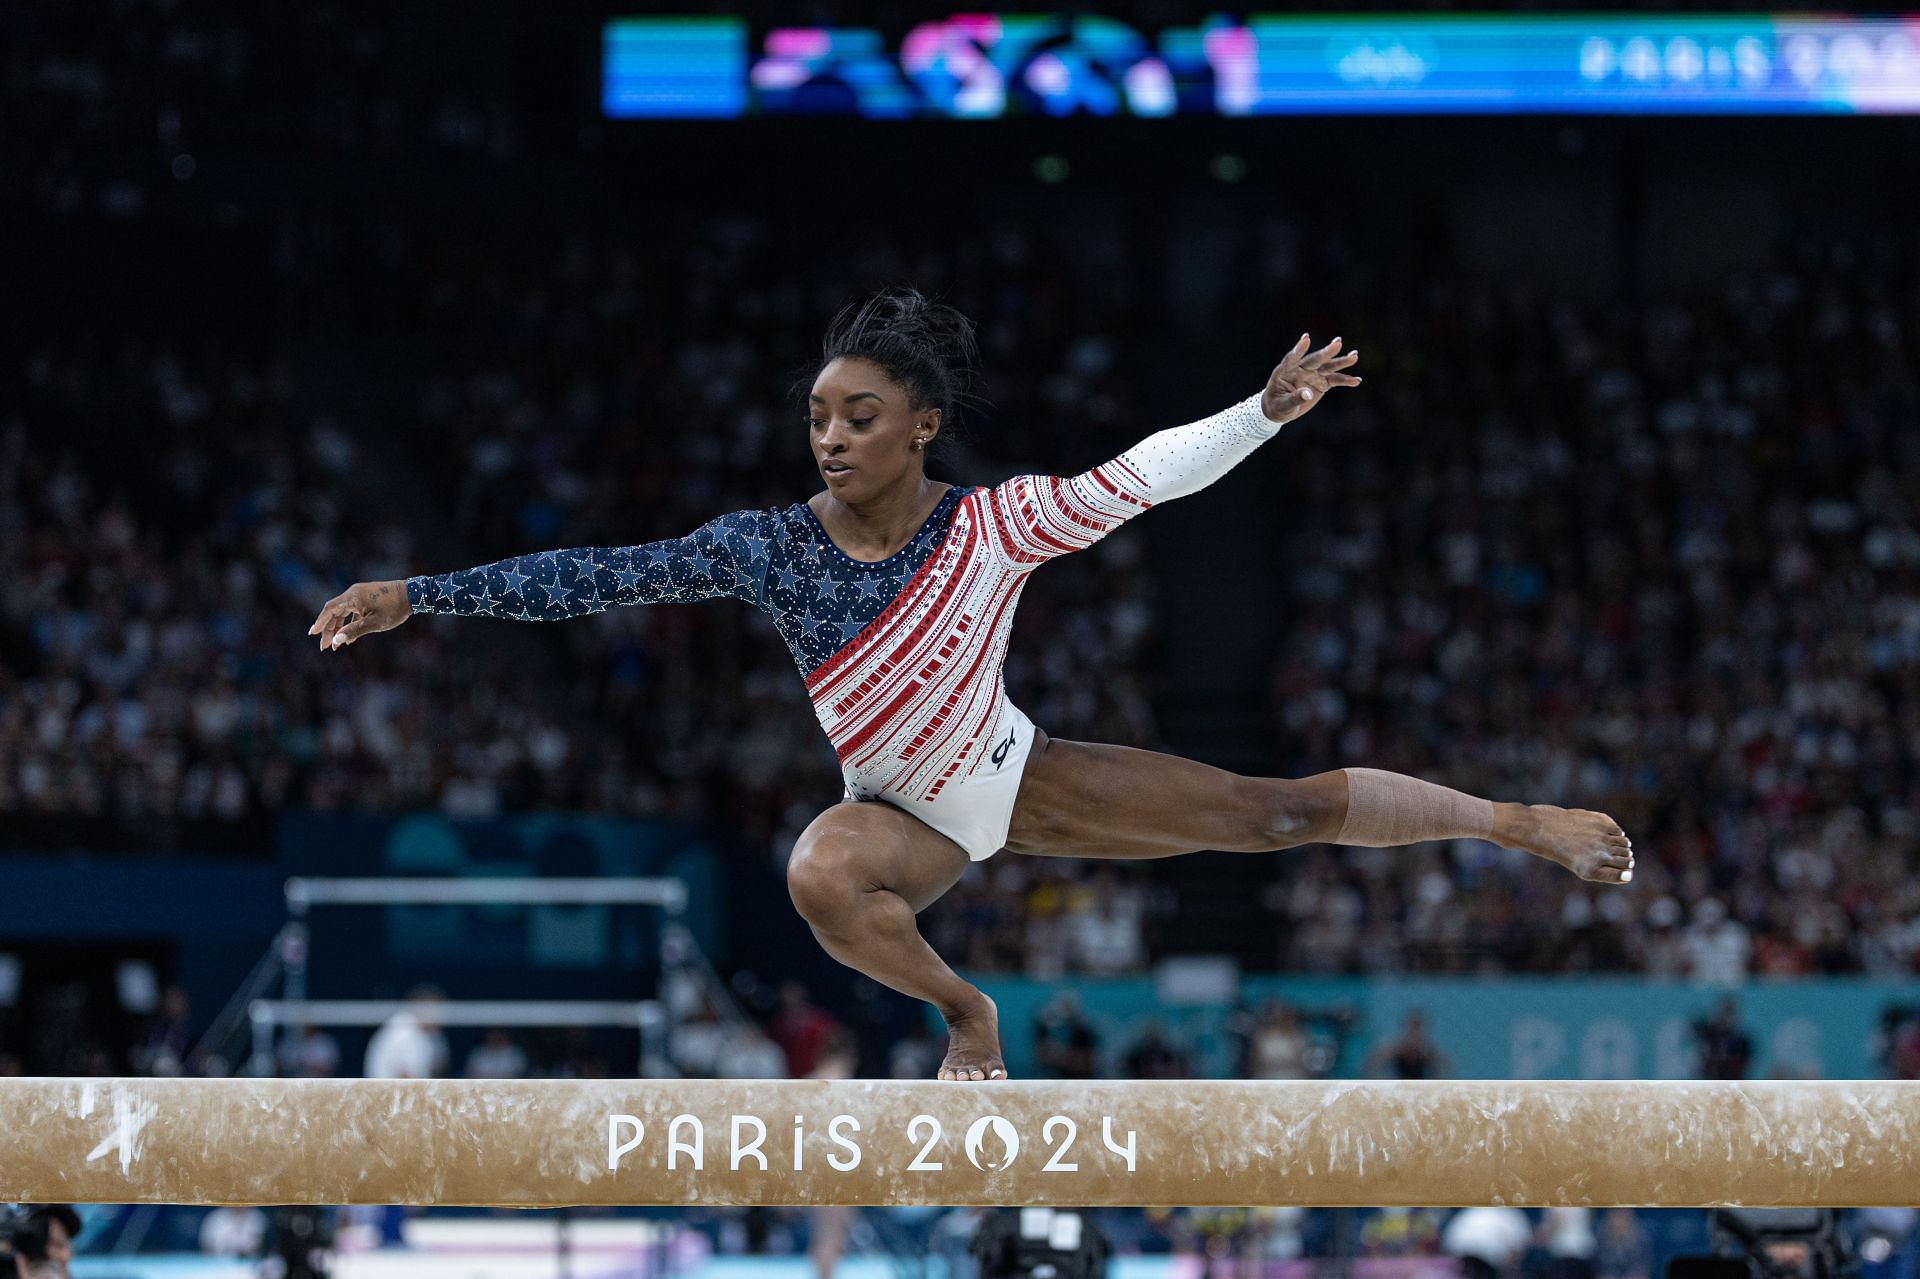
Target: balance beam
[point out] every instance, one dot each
(545, 1143)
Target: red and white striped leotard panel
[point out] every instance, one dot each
(911, 701)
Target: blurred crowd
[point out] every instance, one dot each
(1687, 596)
(167, 518)
(1660, 560)
(1656, 558)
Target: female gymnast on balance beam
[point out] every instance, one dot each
(895, 594)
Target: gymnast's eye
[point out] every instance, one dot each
(860, 421)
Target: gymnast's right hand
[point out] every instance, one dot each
(361, 609)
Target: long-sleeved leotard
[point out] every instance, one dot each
(902, 657)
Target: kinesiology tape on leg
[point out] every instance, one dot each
(1385, 810)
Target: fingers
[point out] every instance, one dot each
(1319, 370)
(1317, 359)
(320, 623)
(1327, 357)
(1293, 360)
(332, 628)
(340, 623)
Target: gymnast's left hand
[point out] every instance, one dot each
(1304, 377)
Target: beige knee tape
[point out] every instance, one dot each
(1385, 810)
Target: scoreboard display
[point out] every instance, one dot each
(988, 66)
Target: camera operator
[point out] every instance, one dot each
(1726, 1050)
(36, 1240)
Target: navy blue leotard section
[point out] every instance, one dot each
(780, 561)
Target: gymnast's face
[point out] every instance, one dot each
(862, 427)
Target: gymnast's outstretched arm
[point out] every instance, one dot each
(726, 556)
(1050, 515)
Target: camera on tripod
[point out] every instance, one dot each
(1040, 1243)
(1769, 1243)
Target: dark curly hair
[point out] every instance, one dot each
(925, 346)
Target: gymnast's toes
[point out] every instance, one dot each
(1589, 844)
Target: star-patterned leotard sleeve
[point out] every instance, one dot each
(726, 556)
(902, 657)
(1052, 515)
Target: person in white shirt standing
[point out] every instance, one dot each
(410, 1045)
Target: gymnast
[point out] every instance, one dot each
(895, 594)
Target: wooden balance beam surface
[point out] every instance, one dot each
(544, 1143)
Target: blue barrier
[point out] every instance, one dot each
(1506, 1028)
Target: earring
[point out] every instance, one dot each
(919, 444)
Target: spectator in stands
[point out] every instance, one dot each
(409, 1044)
(1409, 1055)
(1064, 1042)
(1563, 1245)
(803, 1029)
(1280, 1044)
(1622, 1250)
(1488, 1241)
(748, 1054)
(42, 1240)
(580, 1055)
(309, 1053)
(703, 1036)
(711, 1040)
(1718, 947)
(1108, 926)
(918, 1053)
(1153, 1056)
(233, 1232)
(171, 1036)
(1903, 1044)
(1726, 1050)
(1400, 1232)
(496, 1056)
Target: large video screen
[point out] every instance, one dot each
(989, 66)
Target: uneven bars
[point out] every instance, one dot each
(459, 1012)
(522, 891)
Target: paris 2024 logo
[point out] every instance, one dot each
(991, 1143)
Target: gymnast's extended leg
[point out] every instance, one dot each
(858, 875)
(1082, 799)
(860, 872)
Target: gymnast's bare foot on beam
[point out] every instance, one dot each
(1589, 844)
(973, 1046)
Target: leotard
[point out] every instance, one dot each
(901, 657)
